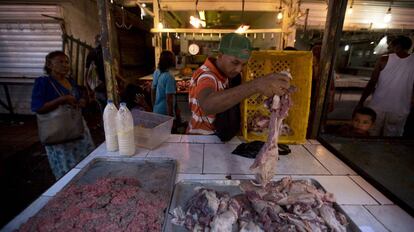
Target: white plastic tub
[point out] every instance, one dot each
(151, 129)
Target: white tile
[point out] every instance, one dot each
(189, 156)
(393, 217)
(363, 218)
(236, 140)
(61, 183)
(383, 200)
(200, 139)
(313, 141)
(218, 159)
(300, 161)
(330, 161)
(174, 138)
(102, 152)
(251, 177)
(196, 177)
(31, 210)
(345, 190)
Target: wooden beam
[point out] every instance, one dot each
(105, 23)
(330, 44)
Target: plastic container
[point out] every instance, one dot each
(125, 131)
(151, 129)
(109, 119)
(299, 63)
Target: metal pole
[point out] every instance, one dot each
(105, 25)
(330, 43)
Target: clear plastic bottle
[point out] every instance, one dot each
(125, 130)
(109, 119)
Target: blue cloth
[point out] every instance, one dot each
(44, 92)
(163, 83)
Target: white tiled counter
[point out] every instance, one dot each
(206, 157)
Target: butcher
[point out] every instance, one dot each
(215, 92)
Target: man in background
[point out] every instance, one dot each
(391, 86)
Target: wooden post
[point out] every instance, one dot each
(157, 36)
(330, 43)
(106, 39)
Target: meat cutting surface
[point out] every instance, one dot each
(109, 204)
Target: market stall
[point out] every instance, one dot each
(204, 158)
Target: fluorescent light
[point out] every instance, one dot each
(242, 29)
(346, 48)
(202, 15)
(196, 22)
(387, 17)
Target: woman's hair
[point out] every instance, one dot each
(49, 58)
(166, 61)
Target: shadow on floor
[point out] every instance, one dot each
(24, 169)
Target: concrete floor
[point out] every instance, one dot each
(389, 163)
(24, 168)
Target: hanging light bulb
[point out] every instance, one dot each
(280, 14)
(143, 5)
(346, 48)
(112, 1)
(350, 10)
(160, 25)
(387, 17)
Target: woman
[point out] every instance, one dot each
(163, 85)
(51, 91)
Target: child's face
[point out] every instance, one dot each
(362, 122)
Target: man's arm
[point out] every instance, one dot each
(213, 102)
(379, 66)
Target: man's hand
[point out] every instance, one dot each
(272, 84)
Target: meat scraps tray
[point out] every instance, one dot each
(184, 190)
(155, 175)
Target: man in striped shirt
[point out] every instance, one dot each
(209, 93)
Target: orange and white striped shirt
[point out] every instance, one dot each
(207, 76)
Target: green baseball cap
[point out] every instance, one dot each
(236, 45)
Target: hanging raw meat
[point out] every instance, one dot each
(264, 165)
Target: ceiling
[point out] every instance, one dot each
(260, 14)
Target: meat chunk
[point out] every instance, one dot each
(264, 165)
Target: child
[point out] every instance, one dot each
(363, 119)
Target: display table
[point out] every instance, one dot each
(205, 157)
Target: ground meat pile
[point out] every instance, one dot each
(285, 205)
(109, 204)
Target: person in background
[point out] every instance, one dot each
(135, 98)
(316, 52)
(363, 119)
(45, 98)
(95, 74)
(210, 94)
(391, 86)
(163, 87)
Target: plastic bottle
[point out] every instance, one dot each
(125, 130)
(109, 119)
